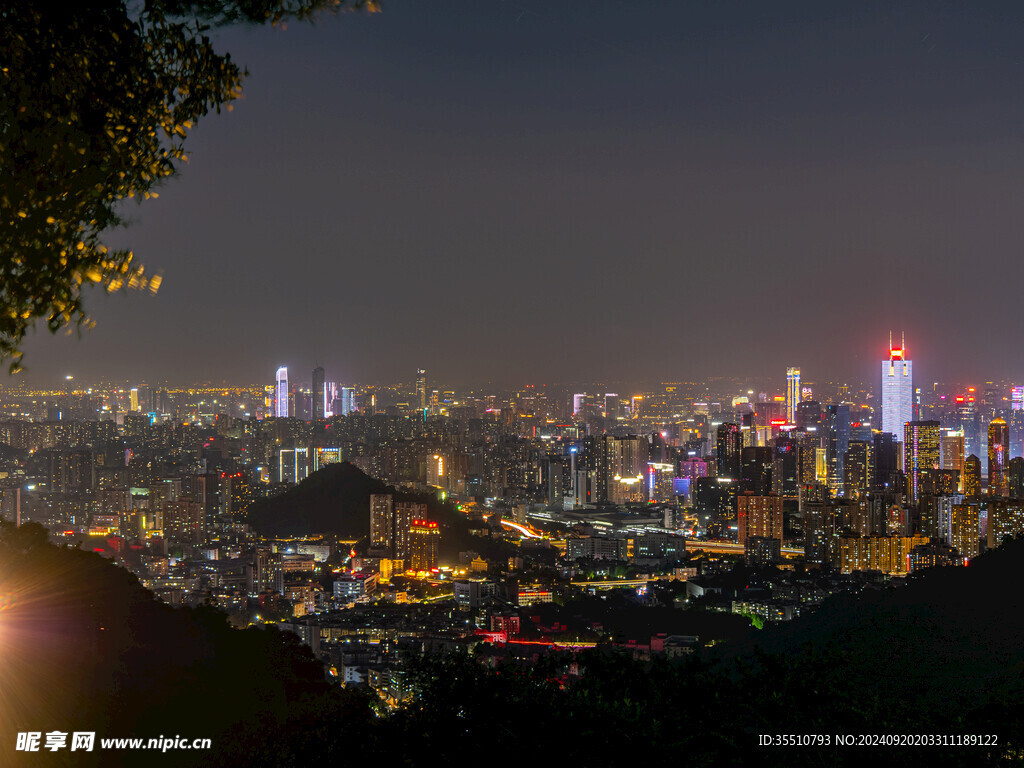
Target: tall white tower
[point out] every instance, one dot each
(281, 394)
(897, 390)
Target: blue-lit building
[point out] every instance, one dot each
(281, 410)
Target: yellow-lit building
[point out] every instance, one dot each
(888, 554)
(964, 530)
(920, 455)
(972, 477)
(425, 540)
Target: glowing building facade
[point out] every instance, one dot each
(897, 391)
(921, 443)
(281, 394)
(998, 457)
(792, 393)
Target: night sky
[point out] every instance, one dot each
(569, 191)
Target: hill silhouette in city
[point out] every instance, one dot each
(336, 500)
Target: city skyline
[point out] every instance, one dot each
(648, 370)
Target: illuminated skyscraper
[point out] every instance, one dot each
(346, 400)
(421, 390)
(424, 538)
(964, 530)
(920, 455)
(730, 444)
(998, 457)
(281, 394)
(792, 393)
(578, 401)
(897, 391)
(952, 444)
(972, 477)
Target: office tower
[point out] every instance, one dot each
(769, 415)
(1015, 421)
(964, 531)
(620, 464)
(951, 446)
(808, 416)
(612, 406)
(807, 447)
(748, 434)
(134, 399)
(972, 477)
(920, 455)
(821, 467)
(897, 390)
(837, 418)
(343, 405)
(281, 394)
(730, 443)
(785, 466)
(421, 390)
(886, 461)
(424, 542)
(331, 395)
(756, 470)
(759, 516)
(998, 457)
(293, 465)
(578, 401)
(319, 394)
(792, 393)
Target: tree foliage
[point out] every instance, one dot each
(96, 100)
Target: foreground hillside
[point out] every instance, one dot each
(84, 647)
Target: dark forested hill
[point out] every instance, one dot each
(336, 500)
